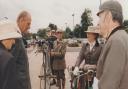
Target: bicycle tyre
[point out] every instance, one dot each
(44, 79)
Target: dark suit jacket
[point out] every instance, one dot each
(22, 65)
(90, 57)
(8, 78)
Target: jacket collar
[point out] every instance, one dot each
(92, 44)
(96, 43)
(115, 30)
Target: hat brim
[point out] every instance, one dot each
(53, 31)
(99, 12)
(59, 32)
(91, 32)
(12, 35)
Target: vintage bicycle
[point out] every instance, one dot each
(83, 80)
(45, 72)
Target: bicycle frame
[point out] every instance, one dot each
(76, 80)
(45, 66)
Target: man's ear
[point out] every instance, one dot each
(109, 16)
(108, 19)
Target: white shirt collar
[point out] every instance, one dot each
(91, 44)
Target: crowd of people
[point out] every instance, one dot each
(109, 59)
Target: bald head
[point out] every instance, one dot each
(24, 21)
(23, 15)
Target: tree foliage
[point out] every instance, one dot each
(77, 31)
(34, 36)
(86, 21)
(41, 33)
(27, 36)
(126, 24)
(68, 33)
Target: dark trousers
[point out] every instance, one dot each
(51, 63)
(60, 75)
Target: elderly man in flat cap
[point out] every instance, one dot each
(8, 33)
(51, 38)
(20, 53)
(59, 64)
(112, 68)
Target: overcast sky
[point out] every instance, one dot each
(58, 12)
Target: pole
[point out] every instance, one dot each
(73, 22)
(100, 2)
(65, 25)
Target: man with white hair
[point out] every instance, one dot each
(19, 52)
(8, 33)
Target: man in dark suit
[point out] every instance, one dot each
(19, 52)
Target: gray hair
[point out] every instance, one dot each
(117, 17)
(115, 8)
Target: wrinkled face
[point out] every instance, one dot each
(24, 24)
(91, 37)
(8, 43)
(104, 23)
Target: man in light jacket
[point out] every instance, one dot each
(112, 68)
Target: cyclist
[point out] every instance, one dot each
(59, 64)
(90, 51)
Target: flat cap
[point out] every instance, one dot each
(111, 6)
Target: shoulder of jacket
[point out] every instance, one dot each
(5, 54)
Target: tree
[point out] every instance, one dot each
(126, 24)
(86, 21)
(41, 33)
(27, 36)
(34, 36)
(77, 31)
(68, 33)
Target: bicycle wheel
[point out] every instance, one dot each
(44, 79)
